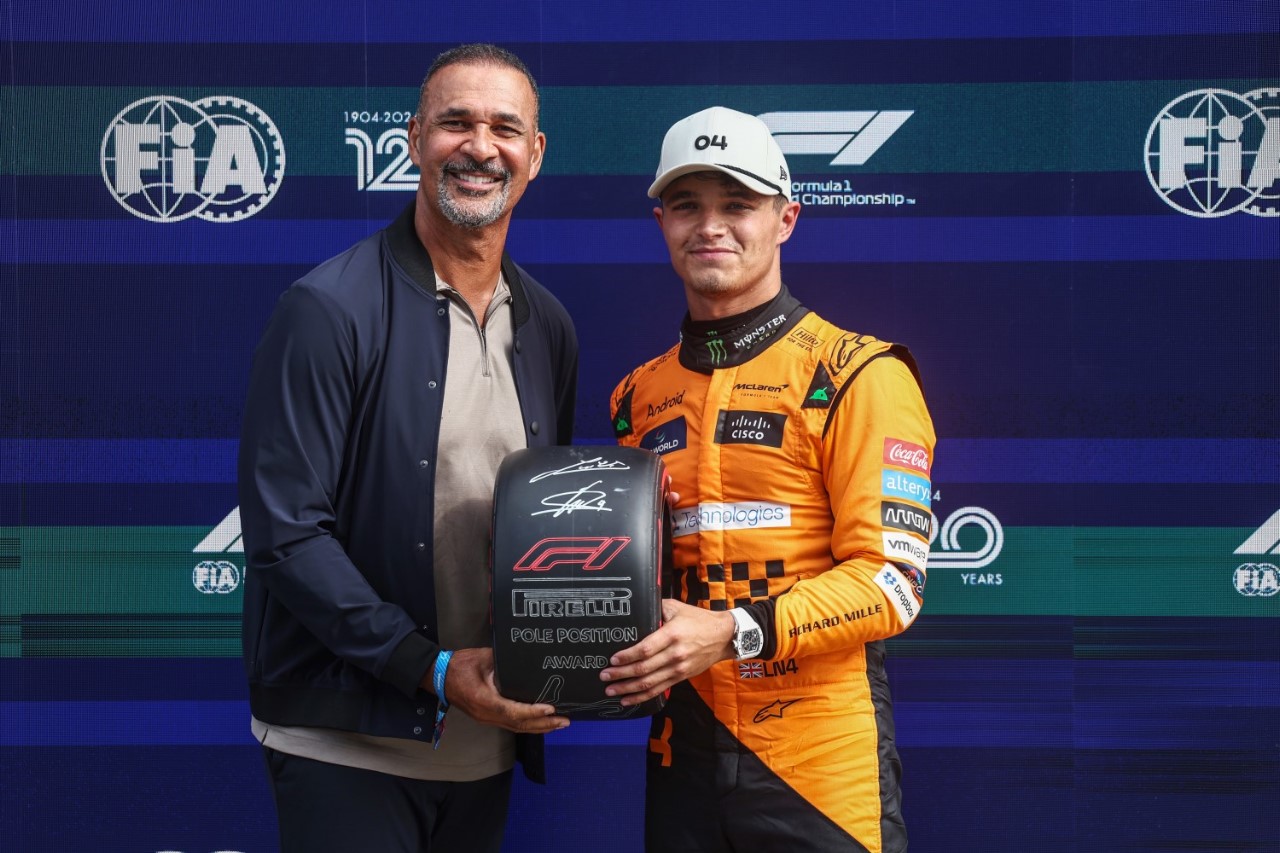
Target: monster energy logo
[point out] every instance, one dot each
(715, 348)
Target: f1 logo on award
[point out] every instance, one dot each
(1212, 152)
(592, 553)
(166, 159)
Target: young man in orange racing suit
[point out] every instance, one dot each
(800, 455)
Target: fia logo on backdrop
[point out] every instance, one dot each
(219, 576)
(1259, 579)
(1211, 152)
(165, 159)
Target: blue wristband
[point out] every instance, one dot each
(442, 704)
(438, 675)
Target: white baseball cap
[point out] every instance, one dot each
(728, 141)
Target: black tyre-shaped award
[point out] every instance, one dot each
(580, 539)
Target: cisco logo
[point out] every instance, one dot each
(1212, 152)
(165, 159)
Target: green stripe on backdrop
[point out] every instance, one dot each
(136, 590)
(119, 592)
(599, 130)
(10, 596)
(1104, 571)
(119, 571)
(154, 636)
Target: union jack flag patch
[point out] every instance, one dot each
(751, 669)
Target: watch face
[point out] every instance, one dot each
(750, 641)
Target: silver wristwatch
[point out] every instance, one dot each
(748, 638)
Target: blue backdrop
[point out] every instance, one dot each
(1068, 209)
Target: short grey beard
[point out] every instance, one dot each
(472, 218)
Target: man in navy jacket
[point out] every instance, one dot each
(389, 384)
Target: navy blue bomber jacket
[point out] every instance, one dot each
(336, 480)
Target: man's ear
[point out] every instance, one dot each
(787, 222)
(539, 151)
(415, 132)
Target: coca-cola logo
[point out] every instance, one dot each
(904, 454)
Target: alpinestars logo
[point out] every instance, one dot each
(1212, 152)
(165, 159)
(852, 136)
(219, 577)
(773, 710)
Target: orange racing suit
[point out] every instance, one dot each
(801, 454)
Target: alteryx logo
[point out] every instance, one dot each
(852, 136)
(900, 484)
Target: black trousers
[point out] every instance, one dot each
(328, 808)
